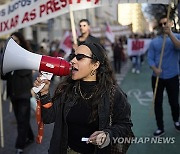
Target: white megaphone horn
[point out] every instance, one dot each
(16, 58)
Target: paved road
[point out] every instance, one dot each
(138, 89)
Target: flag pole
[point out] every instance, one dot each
(1, 119)
(72, 25)
(162, 53)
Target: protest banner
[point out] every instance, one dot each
(18, 14)
(137, 46)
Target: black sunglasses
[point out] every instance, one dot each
(162, 24)
(79, 56)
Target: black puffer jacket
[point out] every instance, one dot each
(121, 125)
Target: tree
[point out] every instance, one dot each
(157, 10)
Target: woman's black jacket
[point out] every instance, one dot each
(121, 125)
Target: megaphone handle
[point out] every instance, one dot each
(45, 75)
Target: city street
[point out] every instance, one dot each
(38, 34)
(138, 89)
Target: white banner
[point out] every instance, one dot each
(22, 13)
(137, 46)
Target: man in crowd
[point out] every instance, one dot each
(168, 74)
(84, 26)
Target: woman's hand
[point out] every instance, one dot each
(97, 138)
(38, 82)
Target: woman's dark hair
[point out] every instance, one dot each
(105, 80)
(23, 42)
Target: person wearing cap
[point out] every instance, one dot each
(88, 108)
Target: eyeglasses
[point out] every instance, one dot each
(162, 24)
(79, 56)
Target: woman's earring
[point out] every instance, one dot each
(92, 73)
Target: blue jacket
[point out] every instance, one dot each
(170, 61)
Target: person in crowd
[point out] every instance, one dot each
(167, 73)
(19, 84)
(3, 88)
(118, 51)
(136, 59)
(82, 104)
(84, 26)
(44, 44)
(42, 51)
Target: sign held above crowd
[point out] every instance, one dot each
(18, 14)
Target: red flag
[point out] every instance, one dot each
(66, 43)
(109, 34)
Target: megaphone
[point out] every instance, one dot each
(16, 58)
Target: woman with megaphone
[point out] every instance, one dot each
(19, 84)
(88, 108)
